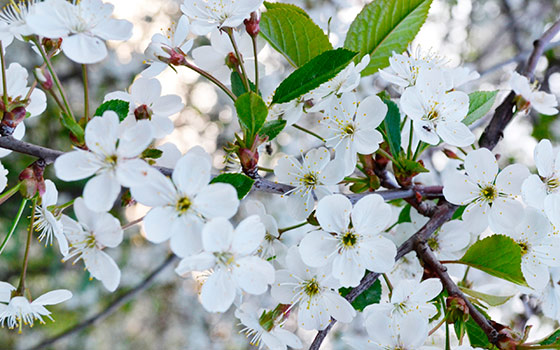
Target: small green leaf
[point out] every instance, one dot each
(404, 215)
(293, 34)
(251, 112)
(69, 123)
(458, 214)
(492, 300)
(553, 339)
(385, 26)
(118, 106)
(372, 295)
(497, 255)
(278, 5)
(237, 86)
(315, 72)
(152, 153)
(393, 127)
(476, 335)
(272, 128)
(412, 167)
(242, 183)
(480, 103)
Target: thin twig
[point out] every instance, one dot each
(111, 308)
(539, 47)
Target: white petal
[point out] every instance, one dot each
(347, 269)
(107, 230)
(158, 190)
(216, 200)
(371, 215)
(317, 247)
(504, 214)
(53, 297)
(218, 292)
(84, 49)
(101, 134)
(217, 235)
(157, 223)
(199, 262)
(253, 274)
(76, 165)
(459, 189)
(333, 213)
(134, 140)
(511, 178)
(103, 267)
(192, 171)
(248, 235)
(534, 191)
(339, 308)
(481, 166)
(544, 158)
(101, 192)
(456, 134)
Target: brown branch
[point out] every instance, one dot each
(539, 46)
(111, 308)
(47, 154)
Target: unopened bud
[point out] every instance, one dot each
(457, 310)
(32, 181)
(450, 154)
(143, 112)
(252, 25)
(231, 61)
(175, 58)
(44, 78)
(51, 45)
(11, 119)
(249, 160)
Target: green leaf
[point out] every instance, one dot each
(278, 5)
(492, 300)
(385, 26)
(497, 255)
(458, 214)
(293, 34)
(480, 103)
(251, 112)
(372, 295)
(476, 335)
(312, 74)
(152, 153)
(393, 127)
(69, 123)
(272, 128)
(237, 86)
(412, 167)
(118, 106)
(242, 183)
(553, 339)
(404, 215)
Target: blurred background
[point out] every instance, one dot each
(491, 36)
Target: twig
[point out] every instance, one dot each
(539, 47)
(114, 306)
(47, 154)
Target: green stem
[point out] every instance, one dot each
(86, 91)
(289, 228)
(21, 288)
(9, 193)
(14, 224)
(389, 284)
(229, 32)
(309, 132)
(386, 155)
(55, 78)
(268, 170)
(551, 346)
(212, 79)
(409, 150)
(255, 51)
(4, 82)
(421, 146)
(440, 323)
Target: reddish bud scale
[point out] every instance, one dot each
(252, 25)
(143, 112)
(231, 61)
(32, 180)
(51, 45)
(249, 160)
(11, 119)
(450, 154)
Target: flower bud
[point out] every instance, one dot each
(32, 179)
(231, 61)
(143, 112)
(51, 45)
(11, 119)
(457, 310)
(175, 58)
(249, 160)
(450, 154)
(252, 25)
(43, 77)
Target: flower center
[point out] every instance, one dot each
(143, 112)
(309, 179)
(225, 258)
(111, 160)
(349, 129)
(432, 115)
(433, 243)
(489, 193)
(349, 239)
(524, 247)
(183, 204)
(552, 184)
(311, 287)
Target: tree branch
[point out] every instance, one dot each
(539, 47)
(114, 306)
(47, 154)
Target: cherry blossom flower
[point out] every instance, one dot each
(20, 311)
(436, 113)
(47, 222)
(3, 177)
(540, 248)
(271, 246)
(350, 238)
(229, 253)
(170, 47)
(490, 196)
(351, 128)
(409, 297)
(550, 296)
(146, 103)
(213, 58)
(112, 158)
(315, 178)
(264, 331)
(542, 191)
(327, 96)
(206, 15)
(83, 25)
(88, 237)
(13, 21)
(539, 100)
(314, 290)
(291, 111)
(181, 206)
(407, 267)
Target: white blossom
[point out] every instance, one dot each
(350, 128)
(490, 196)
(550, 296)
(315, 178)
(16, 311)
(3, 177)
(48, 222)
(13, 21)
(181, 206)
(350, 238)
(206, 15)
(112, 158)
(271, 246)
(229, 253)
(83, 25)
(146, 103)
(541, 101)
(315, 291)
(88, 237)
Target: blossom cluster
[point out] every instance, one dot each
(233, 246)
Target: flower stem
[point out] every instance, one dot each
(308, 132)
(55, 77)
(212, 79)
(386, 155)
(268, 170)
(389, 285)
(255, 51)
(289, 228)
(14, 224)
(132, 223)
(440, 323)
(86, 91)
(21, 288)
(229, 32)
(4, 82)
(9, 193)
